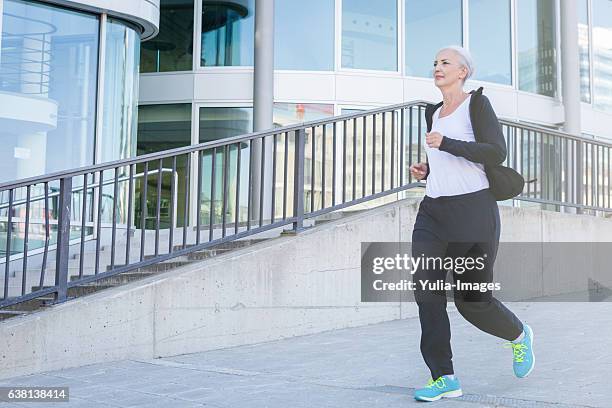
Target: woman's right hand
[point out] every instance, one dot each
(419, 170)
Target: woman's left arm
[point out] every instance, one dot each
(491, 148)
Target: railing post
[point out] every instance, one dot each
(298, 180)
(579, 176)
(63, 238)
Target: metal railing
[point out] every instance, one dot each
(232, 188)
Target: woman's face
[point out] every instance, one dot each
(447, 69)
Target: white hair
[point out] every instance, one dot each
(465, 58)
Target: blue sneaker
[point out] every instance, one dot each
(443, 387)
(524, 359)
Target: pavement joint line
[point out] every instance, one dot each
(211, 369)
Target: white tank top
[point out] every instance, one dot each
(448, 174)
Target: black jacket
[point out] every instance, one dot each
(490, 145)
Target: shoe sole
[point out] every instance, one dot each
(532, 354)
(448, 394)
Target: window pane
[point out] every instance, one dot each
(537, 56)
(291, 113)
(172, 48)
(119, 126)
(602, 54)
(48, 77)
(490, 40)
(421, 17)
(583, 45)
(162, 127)
(220, 123)
(297, 44)
(227, 33)
(369, 34)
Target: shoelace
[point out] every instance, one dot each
(439, 383)
(518, 350)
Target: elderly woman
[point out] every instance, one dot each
(459, 218)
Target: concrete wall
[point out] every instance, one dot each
(289, 286)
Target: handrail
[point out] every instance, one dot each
(255, 135)
(77, 189)
(193, 148)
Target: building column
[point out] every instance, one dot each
(570, 82)
(263, 103)
(570, 66)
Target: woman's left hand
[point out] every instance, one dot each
(433, 139)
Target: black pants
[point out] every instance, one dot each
(448, 227)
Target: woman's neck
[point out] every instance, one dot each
(452, 96)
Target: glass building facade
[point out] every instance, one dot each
(48, 76)
(602, 54)
(514, 44)
(172, 48)
(68, 98)
(51, 94)
(58, 95)
(421, 16)
(536, 47)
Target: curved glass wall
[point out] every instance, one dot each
(490, 45)
(117, 138)
(421, 16)
(536, 42)
(296, 45)
(119, 124)
(48, 79)
(172, 48)
(369, 34)
(602, 54)
(228, 33)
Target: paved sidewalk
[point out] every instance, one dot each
(372, 366)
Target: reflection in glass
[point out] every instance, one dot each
(48, 77)
(583, 45)
(490, 40)
(119, 123)
(162, 127)
(429, 27)
(291, 113)
(602, 54)
(118, 138)
(293, 49)
(536, 52)
(369, 34)
(172, 48)
(220, 123)
(227, 33)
